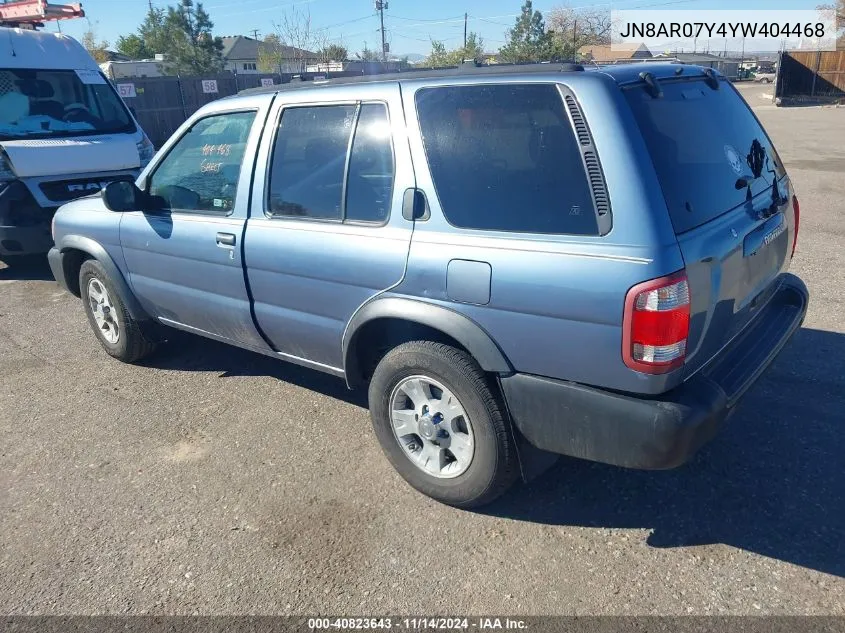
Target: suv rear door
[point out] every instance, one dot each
(717, 168)
(326, 232)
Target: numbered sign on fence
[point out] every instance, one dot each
(127, 91)
(266, 82)
(209, 86)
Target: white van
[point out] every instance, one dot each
(64, 134)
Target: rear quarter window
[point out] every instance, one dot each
(505, 158)
(699, 140)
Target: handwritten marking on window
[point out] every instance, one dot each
(224, 149)
(207, 167)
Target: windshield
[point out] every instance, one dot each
(709, 151)
(59, 103)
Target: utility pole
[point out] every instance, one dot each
(465, 31)
(254, 34)
(575, 35)
(381, 5)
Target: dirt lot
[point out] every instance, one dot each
(211, 480)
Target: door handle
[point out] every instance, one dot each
(226, 239)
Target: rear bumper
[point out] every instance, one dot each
(666, 430)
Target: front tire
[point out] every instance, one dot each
(440, 424)
(116, 330)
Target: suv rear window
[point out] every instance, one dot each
(699, 140)
(505, 158)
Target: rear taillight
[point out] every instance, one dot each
(797, 213)
(656, 324)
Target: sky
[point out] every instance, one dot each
(410, 24)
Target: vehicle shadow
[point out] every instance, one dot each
(771, 482)
(29, 268)
(188, 352)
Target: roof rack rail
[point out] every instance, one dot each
(467, 67)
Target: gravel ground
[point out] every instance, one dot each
(214, 481)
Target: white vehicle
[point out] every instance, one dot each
(64, 134)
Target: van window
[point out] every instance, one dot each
(505, 158)
(200, 173)
(48, 103)
(700, 140)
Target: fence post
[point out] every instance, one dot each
(182, 97)
(816, 73)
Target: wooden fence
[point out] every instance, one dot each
(162, 104)
(811, 75)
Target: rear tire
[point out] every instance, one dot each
(116, 330)
(450, 440)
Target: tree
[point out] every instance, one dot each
(839, 14)
(333, 53)
(296, 32)
(474, 48)
(133, 46)
(154, 33)
(367, 54)
(98, 51)
(527, 40)
(271, 53)
(439, 57)
(193, 50)
(570, 29)
(182, 33)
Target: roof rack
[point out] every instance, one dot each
(469, 67)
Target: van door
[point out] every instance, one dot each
(184, 258)
(327, 234)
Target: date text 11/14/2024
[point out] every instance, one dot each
(416, 624)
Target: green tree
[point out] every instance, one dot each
(99, 51)
(133, 46)
(193, 49)
(367, 54)
(528, 40)
(333, 53)
(271, 54)
(182, 33)
(154, 33)
(440, 57)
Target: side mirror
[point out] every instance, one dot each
(123, 195)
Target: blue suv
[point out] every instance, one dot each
(588, 262)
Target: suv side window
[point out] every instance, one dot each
(505, 158)
(200, 173)
(369, 183)
(319, 149)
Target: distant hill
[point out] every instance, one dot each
(412, 57)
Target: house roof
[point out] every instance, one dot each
(241, 47)
(604, 52)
